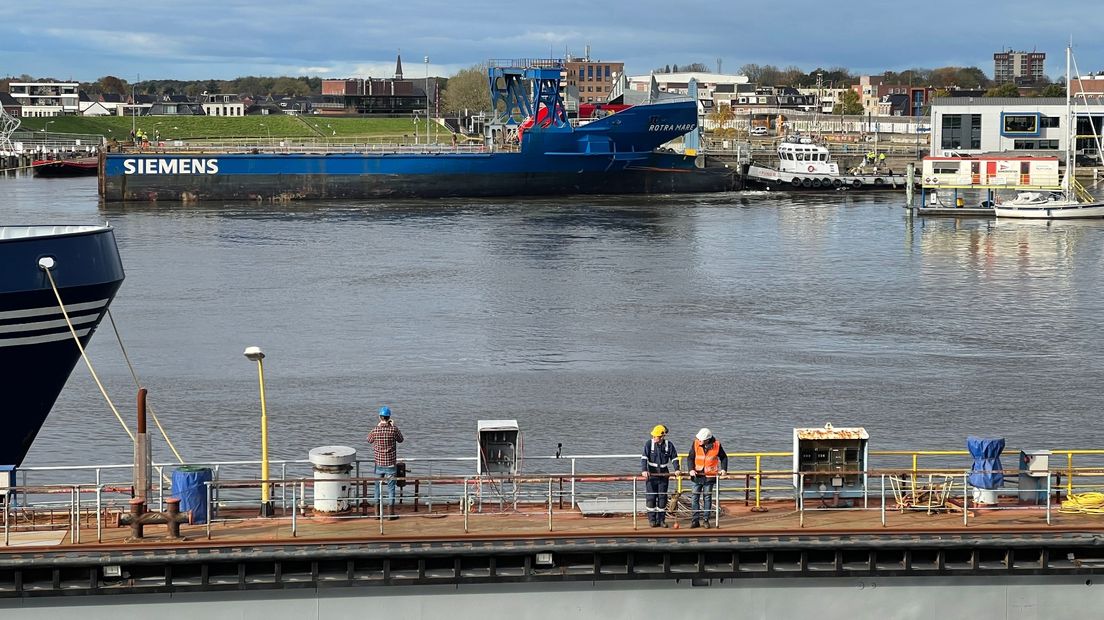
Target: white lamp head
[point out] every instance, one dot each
(254, 353)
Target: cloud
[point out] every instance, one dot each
(221, 39)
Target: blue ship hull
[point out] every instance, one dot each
(37, 352)
(615, 155)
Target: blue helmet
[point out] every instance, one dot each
(385, 412)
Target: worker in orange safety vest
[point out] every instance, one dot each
(708, 461)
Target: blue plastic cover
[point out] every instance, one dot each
(987, 470)
(188, 483)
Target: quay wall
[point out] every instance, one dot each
(993, 598)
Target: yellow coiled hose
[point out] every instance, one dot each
(1084, 503)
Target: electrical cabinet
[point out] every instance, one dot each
(7, 481)
(1034, 471)
(830, 462)
(499, 443)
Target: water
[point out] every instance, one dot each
(588, 320)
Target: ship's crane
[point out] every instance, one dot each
(524, 94)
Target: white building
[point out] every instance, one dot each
(1027, 125)
(223, 105)
(46, 98)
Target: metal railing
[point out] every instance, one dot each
(570, 467)
(71, 508)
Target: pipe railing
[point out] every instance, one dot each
(567, 467)
(35, 508)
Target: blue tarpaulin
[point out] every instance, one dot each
(986, 472)
(189, 484)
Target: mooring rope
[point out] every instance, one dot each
(84, 355)
(138, 384)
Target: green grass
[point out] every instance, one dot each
(209, 127)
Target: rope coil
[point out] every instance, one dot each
(1091, 503)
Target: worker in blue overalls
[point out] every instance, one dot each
(658, 461)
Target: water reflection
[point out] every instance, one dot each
(589, 320)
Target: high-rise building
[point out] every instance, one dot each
(1018, 67)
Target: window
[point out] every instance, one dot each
(1032, 145)
(1050, 121)
(961, 131)
(590, 72)
(945, 167)
(1020, 124)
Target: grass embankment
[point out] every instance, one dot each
(215, 127)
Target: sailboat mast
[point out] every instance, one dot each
(1071, 133)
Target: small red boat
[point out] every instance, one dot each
(79, 167)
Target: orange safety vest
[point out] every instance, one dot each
(707, 461)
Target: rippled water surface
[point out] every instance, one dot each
(589, 320)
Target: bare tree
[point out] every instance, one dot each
(467, 90)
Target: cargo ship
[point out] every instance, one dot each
(530, 148)
(79, 264)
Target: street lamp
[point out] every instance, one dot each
(268, 131)
(427, 98)
(255, 354)
(46, 132)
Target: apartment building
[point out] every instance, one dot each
(1018, 67)
(46, 98)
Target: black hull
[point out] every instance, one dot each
(37, 352)
(280, 187)
(788, 187)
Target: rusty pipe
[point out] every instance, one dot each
(141, 410)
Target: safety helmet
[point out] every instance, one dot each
(659, 430)
(385, 412)
(704, 434)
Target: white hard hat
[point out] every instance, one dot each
(704, 434)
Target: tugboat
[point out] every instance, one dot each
(37, 350)
(805, 164)
(529, 148)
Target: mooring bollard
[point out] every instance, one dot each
(139, 517)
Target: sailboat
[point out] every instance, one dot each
(1073, 201)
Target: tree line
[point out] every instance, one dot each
(468, 88)
(249, 85)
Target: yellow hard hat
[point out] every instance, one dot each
(659, 430)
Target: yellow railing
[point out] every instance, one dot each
(1082, 194)
(914, 456)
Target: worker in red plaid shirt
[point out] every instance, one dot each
(384, 438)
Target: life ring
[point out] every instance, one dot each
(811, 168)
(796, 181)
(856, 184)
(837, 183)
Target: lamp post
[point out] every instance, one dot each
(427, 97)
(257, 355)
(133, 110)
(46, 134)
(268, 131)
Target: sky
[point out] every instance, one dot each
(83, 40)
